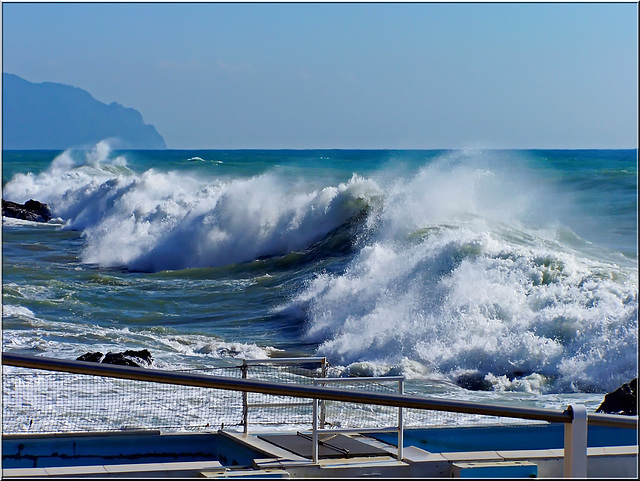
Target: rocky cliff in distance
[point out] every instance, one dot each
(42, 116)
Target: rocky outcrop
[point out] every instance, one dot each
(623, 400)
(140, 358)
(31, 210)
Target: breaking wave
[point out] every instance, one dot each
(464, 267)
(465, 273)
(170, 220)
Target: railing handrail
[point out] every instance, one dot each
(297, 390)
(356, 379)
(284, 360)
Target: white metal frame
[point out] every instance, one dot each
(349, 380)
(322, 361)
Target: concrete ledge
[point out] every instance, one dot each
(360, 462)
(497, 469)
(114, 469)
(280, 463)
(529, 454)
(413, 454)
(163, 467)
(610, 450)
(251, 474)
(76, 471)
(23, 472)
(472, 456)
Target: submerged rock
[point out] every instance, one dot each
(31, 210)
(623, 400)
(140, 358)
(474, 382)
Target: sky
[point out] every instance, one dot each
(345, 75)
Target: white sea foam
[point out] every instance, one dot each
(9, 310)
(69, 340)
(454, 282)
(465, 268)
(156, 221)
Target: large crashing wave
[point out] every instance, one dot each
(455, 281)
(464, 268)
(156, 221)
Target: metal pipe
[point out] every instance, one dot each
(323, 407)
(315, 456)
(295, 390)
(285, 360)
(354, 380)
(612, 420)
(245, 401)
(400, 422)
(388, 429)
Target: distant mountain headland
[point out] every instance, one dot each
(57, 116)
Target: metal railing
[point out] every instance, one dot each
(574, 417)
(345, 380)
(247, 363)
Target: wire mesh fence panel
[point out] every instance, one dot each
(41, 402)
(299, 373)
(339, 414)
(428, 418)
(269, 411)
(37, 401)
(265, 410)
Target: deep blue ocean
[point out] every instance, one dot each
(519, 267)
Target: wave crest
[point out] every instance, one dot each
(170, 220)
(460, 286)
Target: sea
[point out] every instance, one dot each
(517, 269)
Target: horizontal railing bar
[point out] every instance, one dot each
(346, 380)
(296, 390)
(393, 429)
(278, 405)
(284, 360)
(612, 420)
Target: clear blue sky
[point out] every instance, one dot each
(354, 75)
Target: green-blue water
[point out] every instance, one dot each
(519, 267)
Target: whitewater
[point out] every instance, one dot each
(514, 268)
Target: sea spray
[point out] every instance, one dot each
(456, 283)
(166, 220)
(454, 265)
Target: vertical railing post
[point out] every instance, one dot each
(314, 446)
(575, 443)
(245, 399)
(400, 423)
(323, 409)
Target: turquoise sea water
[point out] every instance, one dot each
(517, 267)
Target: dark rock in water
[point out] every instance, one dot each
(623, 400)
(120, 359)
(31, 210)
(126, 358)
(143, 355)
(91, 357)
(474, 382)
